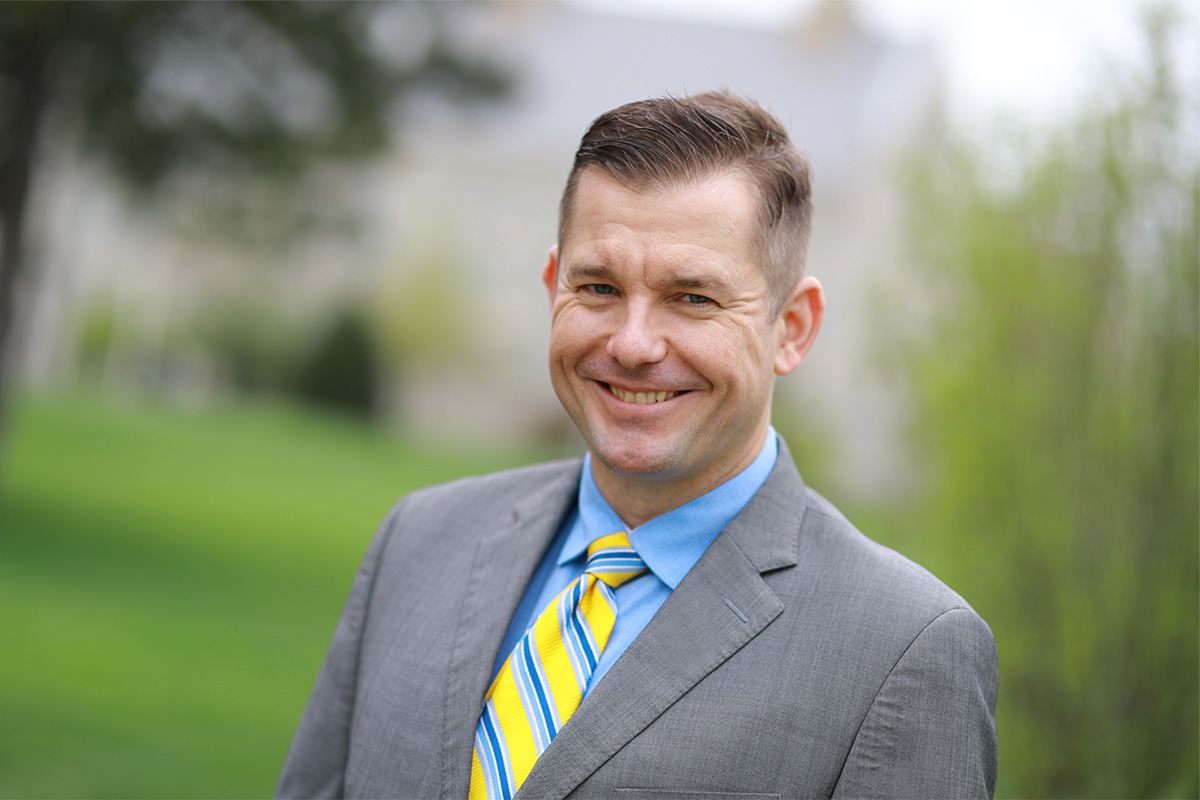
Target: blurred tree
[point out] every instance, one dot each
(225, 88)
(341, 371)
(255, 346)
(1057, 404)
(410, 316)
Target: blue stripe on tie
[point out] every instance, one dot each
(572, 644)
(580, 627)
(487, 759)
(501, 785)
(587, 641)
(525, 689)
(553, 723)
(606, 592)
(578, 633)
(535, 697)
(614, 560)
(614, 569)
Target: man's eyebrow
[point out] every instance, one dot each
(699, 282)
(583, 272)
(580, 273)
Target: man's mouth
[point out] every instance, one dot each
(644, 398)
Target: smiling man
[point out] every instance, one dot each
(666, 334)
(676, 614)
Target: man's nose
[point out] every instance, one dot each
(638, 339)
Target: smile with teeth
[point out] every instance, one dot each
(640, 397)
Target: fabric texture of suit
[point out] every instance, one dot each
(797, 659)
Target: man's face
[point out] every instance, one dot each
(663, 348)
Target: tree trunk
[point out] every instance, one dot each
(15, 170)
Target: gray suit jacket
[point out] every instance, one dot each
(797, 659)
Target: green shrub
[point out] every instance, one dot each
(341, 371)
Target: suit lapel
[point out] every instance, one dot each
(502, 566)
(720, 605)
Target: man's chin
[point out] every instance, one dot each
(643, 464)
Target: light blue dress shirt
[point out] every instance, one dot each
(670, 545)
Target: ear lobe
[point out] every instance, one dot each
(801, 318)
(550, 273)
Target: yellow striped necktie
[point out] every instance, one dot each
(543, 680)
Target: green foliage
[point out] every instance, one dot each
(341, 372)
(425, 314)
(95, 337)
(1057, 417)
(254, 347)
(235, 85)
(169, 583)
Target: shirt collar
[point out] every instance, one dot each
(672, 543)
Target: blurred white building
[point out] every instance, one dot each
(478, 191)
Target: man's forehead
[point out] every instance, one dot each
(600, 196)
(712, 219)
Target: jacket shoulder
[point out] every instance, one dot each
(885, 582)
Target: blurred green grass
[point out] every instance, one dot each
(169, 581)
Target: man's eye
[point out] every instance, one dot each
(696, 299)
(599, 288)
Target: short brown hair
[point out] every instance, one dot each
(667, 141)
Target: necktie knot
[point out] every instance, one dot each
(613, 560)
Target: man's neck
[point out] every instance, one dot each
(637, 499)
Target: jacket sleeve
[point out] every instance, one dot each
(316, 761)
(931, 730)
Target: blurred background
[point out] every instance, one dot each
(268, 266)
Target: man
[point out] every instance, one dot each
(712, 627)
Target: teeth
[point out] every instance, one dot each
(641, 397)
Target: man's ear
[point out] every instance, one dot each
(801, 319)
(550, 273)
